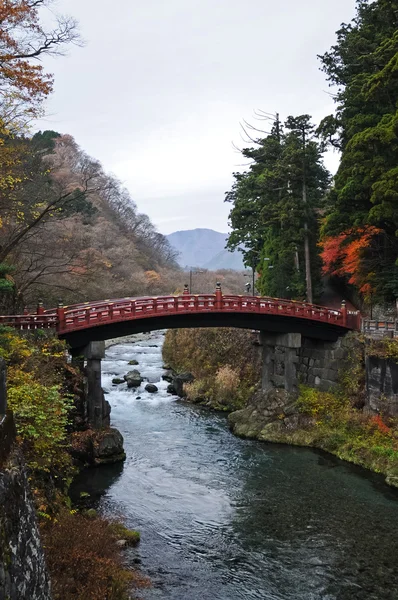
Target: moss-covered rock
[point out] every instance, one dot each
(131, 537)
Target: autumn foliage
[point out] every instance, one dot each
(85, 560)
(344, 255)
(23, 40)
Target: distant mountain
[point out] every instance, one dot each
(204, 248)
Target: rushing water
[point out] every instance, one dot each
(224, 519)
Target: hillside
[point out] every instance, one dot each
(204, 248)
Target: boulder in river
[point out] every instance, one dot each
(117, 380)
(133, 363)
(133, 379)
(179, 380)
(151, 388)
(97, 447)
(108, 446)
(168, 376)
(171, 389)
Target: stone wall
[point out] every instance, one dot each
(290, 359)
(320, 363)
(23, 574)
(382, 386)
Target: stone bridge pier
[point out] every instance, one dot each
(280, 358)
(98, 409)
(289, 359)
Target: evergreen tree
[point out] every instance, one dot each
(276, 208)
(363, 211)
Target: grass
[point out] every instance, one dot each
(335, 426)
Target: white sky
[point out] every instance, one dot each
(160, 87)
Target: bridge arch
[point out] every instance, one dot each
(81, 324)
(283, 324)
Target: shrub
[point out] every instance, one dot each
(41, 416)
(85, 560)
(386, 348)
(38, 382)
(204, 351)
(226, 384)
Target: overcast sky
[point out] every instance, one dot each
(160, 87)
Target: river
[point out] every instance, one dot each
(223, 518)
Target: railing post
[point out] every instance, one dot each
(40, 307)
(61, 316)
(26, 310)
(218, 296)
(344, 312)
(186, 290)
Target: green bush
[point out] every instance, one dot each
(41, 416)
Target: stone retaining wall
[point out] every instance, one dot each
(382, 386)
(320, 363)
(23, 573)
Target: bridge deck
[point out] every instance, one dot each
(70, 319)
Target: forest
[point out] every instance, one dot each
(299, 224)
(60, 212)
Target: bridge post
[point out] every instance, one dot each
(280, 358)
(344, 312)
(218, 296)
(40, 307)
(94, 352)
(60, 315)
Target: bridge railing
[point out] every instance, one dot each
(27, 322)
(118, 310)
(72, 318)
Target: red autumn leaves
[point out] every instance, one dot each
(346, 255)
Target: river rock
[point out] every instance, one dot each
(133, 379)
(117, 380)
(151, 388)
(179, 380)
(168, 376)
(108, 447)
(171, 389)
(265, 415)
(106, 413)
(133, 363)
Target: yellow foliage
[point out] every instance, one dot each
(152, 276)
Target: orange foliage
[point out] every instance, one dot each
(152, 276)
(378, 422)
(342, 255)
(85, 561)
(23, 41)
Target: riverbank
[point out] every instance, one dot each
(83, 551)
(342, 422)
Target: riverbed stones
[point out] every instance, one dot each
(179, 380)
(117, 381)
(133, 379)
(168, 376)
(133, 363)
(265, 407)
(151, 388)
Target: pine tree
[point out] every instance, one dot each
(275, 209)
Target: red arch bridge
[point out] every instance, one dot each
(80, 324)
